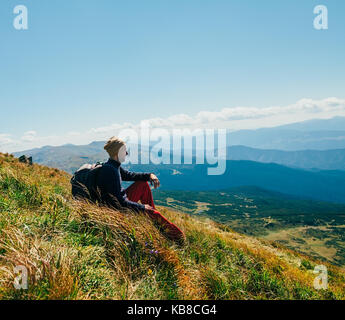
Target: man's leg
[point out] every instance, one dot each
(140, 190)
(171, 230)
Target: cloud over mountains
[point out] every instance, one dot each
(230, 118)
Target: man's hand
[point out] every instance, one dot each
(148, 207)
(154, 180)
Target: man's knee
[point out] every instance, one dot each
(142, 184)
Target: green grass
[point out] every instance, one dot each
(75, 250)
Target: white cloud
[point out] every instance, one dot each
(231, 118)
(29, 136)
(5, 139)
(252, 117)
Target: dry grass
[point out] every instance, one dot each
(76, 250)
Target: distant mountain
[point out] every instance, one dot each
(71, 157)
(274, 170)
(336, 123)
(67, 157)
(305, 159)
(317, 134)
(322, 185)
(327, 185)
(288, 139)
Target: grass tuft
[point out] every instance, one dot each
(76, 250)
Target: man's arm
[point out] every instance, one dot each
(134, 176)
(112, 191)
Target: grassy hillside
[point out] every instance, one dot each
(78, 251)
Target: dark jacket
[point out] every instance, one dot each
(109, 186)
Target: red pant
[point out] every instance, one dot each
(140, 190)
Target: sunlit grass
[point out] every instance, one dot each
(75, 250)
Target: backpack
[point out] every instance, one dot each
(84, 181)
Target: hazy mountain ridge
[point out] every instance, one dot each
(288, 140)
(317, 134)
(321, 185)
(305, 159)
(335, 123)
(313, 144)
(326, 185)
(275, 170)
(71, 157)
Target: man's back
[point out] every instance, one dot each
(108, 185)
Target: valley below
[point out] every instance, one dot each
(311, 227)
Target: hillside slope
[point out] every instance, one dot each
(78, 251)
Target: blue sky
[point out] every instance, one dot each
(90, 64)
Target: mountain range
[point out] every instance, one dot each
(318, 134)
(313, 174)
(314, 144)
(70, 157)
(305, 159)
(325, 185)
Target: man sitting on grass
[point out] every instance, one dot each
(108, 184)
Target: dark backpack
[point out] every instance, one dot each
(84, 181)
